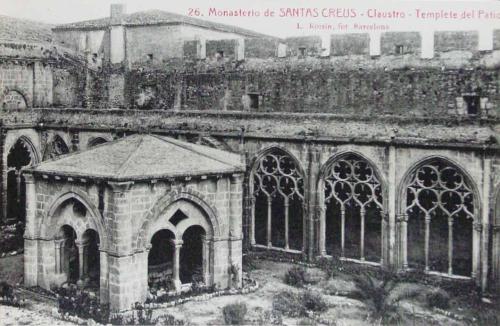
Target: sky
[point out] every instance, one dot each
(65, 11)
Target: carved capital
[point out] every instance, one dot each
(477, 227)
(177, 243)
(400, 218)
(120, 186)
(28, 177)
(237, 178)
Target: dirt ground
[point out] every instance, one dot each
(270, 275)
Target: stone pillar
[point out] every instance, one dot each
(403, 231)
(485, 220)
(103, 277)
(389, 232)
(206, 261)
(496, 257)
(30, 244)
(311, 201)
(30, 205)
(177, 244)
(121, 232)
(236, 233)
(236, 205)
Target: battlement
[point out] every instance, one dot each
(420, 45)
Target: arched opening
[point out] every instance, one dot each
(353, 209)
(192, 255)
(96, 141)
(91, 263)
(440, 210)
(56, 148)
(14, 100)
(160, 260)
(69, 260)
(278, 193)
(18, 158)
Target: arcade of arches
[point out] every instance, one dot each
(435, 223)
(425, 213)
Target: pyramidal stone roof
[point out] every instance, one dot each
(156, 17)
(142, 157)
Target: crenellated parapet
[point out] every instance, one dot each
(416, 44)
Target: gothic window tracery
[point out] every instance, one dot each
(353, 210)
(278, 192)
(56, 148)
(440, 213)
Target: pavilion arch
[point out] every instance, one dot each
(50, 223)
(152, 220)
(417, 196)
(370, 208)
(277, 216)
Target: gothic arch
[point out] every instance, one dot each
(445, 194)
(278, 197)
(374, 200)
(268, 149)
(401, 190)
(49, 227)
(495, 241)
(98, 140)
(163, 203)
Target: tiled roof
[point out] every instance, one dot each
(155, 17)
(143, 157)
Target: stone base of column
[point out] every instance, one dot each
(177, 285)
(58, 279)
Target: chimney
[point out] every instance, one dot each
(117, 10)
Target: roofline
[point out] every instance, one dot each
(248, 33)
(221, 26)
(138, 178)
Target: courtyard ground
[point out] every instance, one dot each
(341, 310)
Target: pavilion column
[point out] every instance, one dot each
(82, 263)
(58, 247)
(177, 245)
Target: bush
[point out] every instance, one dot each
(7, 295)
(234, 314)
(296, 276)
(313, 301)
(298, 304)
(249, 262)
(438, 299)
